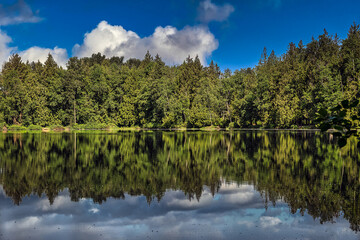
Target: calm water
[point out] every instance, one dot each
(178, 185)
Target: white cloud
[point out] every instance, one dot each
(267, 221)
(171, 44)
(94, 210)
(20, 12)
(208, 11)
(5, 50)
(24, 223)
(184, 203)
(60, 202)
(37, 53)
(32, 54)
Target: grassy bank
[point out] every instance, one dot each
(106, 127)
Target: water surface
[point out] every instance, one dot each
(178, 185)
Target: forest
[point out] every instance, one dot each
(283, 91)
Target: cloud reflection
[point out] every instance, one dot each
(234, 212)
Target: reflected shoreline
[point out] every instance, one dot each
(304, 169)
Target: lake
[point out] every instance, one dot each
(178, 185)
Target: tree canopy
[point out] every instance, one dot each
(280, 92)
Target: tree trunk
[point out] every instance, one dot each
(74, 112)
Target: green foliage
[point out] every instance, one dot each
(17, 128)
(92, 126)
(34, 127)
(280, 92)
(57, 127)
(342, 119)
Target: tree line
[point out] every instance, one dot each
(279, 92)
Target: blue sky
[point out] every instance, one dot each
(232, 33)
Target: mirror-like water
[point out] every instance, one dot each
(178, 185)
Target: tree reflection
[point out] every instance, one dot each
(304, 169)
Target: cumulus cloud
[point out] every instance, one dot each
(171, 44)
(32, 54)
(5, 50)
(35, 54)
(20, 12)
(208, 11)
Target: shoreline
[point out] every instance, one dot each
(133, 129)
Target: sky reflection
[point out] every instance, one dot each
(235, 212)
